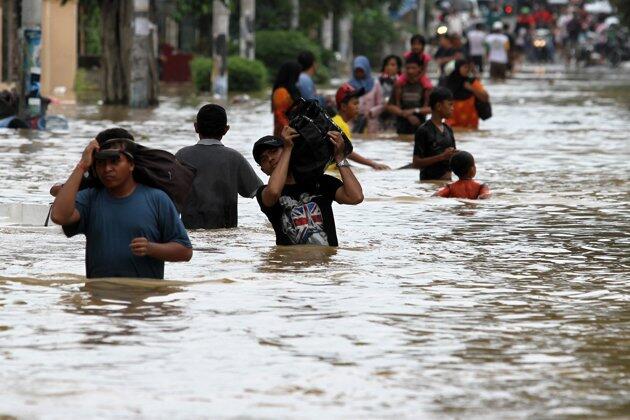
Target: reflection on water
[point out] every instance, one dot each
(512, 307)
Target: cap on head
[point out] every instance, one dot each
(497, 26)
(264, 143)
(347, 92)
(115, 147)
(113, 133)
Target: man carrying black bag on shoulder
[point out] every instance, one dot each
(301, 212)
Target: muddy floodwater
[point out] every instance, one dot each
(514, 307)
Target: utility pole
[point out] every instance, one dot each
(143, 73)
(327, 31)
(295, 14)
(246, 21)
(30, 65)
(420, 17)
(220, 27)
(345, 41)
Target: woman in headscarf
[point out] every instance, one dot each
(371, 102)
(466, 90)
(284, 94)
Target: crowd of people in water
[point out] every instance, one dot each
(133, 226)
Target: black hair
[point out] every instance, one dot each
(113, 133)
(392, 57)
(306, 59)
(211, 121)
(479, 26)
(418, 38)
(287, 77)
(438, 95)
(414, 59)
(461, 162)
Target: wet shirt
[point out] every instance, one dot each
(303, 214)
(110, 223)
(430, 141)
(222, 175)
(408, 96)
(464, 188)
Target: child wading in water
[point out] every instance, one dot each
(463, 165)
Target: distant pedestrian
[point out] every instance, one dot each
(463, 165)
(498, 48)
(371, 101)
(222, 174)
(476, 47)
(305, 83)
(466, 89)
(434, 141)
(284, 94)
(409, 102)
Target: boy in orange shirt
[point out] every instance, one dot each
(463, 165)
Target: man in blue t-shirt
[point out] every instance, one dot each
(130, 228)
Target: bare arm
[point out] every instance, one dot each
(271, 193)
(355, 157)
(420, 162)
(350, 192)
(64, 211)
(170, 251)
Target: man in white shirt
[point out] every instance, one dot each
(476, 48)
(498, 46)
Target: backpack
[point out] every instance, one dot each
(313, 150)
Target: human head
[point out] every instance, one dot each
(417, 44)
(479, 26)
(441, 102)
(114, 162)
(461, 68)
(287, 76)
(211, 122)
(392, 65)
(113, 133)
(413, 67)
(267, 152)
(306, 60)
(361, 68)
(445, 41)
(463, 165)
(497, 26)
(347, 98)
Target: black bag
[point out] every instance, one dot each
(155, 168)
(312, 151)
(161, 169)
(484, 109)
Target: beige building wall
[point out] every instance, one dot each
(59, 48)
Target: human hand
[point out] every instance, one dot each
(140, 247)
(288, 134)
(448, 152)
(380, 167)
(413, 120)
(337, 140)
(468, 86)
(88, 154)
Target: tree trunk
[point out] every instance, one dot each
(345, 41)
(295, 14)
(220, 27)
(143, 81)
(246, 42)
(116, 39)
(420, 17)
(327, 31)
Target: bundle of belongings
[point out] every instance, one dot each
(313, 150)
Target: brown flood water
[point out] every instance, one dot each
(430, 308)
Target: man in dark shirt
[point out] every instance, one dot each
(222, 174)
(302, 213)
(409, 99)
(435, 143)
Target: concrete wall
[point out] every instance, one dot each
(59, 48)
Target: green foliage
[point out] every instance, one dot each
(322, 75)
(201, 73)
(246, 75)
(85, 81)
(91, 24)
(623, 9)
(371, 31)
(275, 47)
(243, 75)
